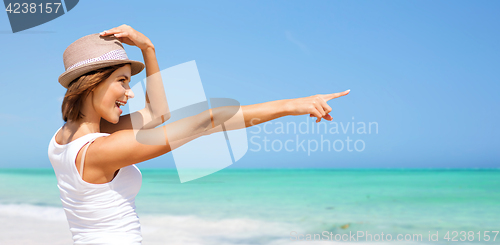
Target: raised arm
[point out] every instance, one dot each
(127, 147)
(156, 110)
(315, 106)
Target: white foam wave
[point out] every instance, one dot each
(195, 230)
(156, 230)
(33, 211)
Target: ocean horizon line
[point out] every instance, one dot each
(291, 169)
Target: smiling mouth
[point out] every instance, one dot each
(119, 103)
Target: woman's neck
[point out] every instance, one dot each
(83, 126)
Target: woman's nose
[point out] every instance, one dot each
(129, 93)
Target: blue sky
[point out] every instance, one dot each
(425, 71)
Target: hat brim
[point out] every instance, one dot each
(68, 76)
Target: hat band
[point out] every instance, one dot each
(118, 54)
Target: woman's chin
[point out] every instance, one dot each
(112, 120)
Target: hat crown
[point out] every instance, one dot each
(89, 47)
(93, 52)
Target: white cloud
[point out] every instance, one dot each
(290, 38)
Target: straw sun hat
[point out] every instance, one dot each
(93, 52)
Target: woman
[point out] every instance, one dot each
(95, 152)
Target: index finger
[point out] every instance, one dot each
(112, 31)
(328, 97)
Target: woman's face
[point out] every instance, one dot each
(112, 93)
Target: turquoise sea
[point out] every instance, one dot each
(249, 206)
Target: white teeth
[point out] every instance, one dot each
(120, 103)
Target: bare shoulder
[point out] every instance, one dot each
(117, 150)
(66, 136)
(91, 172)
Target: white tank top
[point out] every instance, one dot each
(96, 213)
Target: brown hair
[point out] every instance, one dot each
(80, 88)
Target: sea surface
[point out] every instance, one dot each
(286, 206)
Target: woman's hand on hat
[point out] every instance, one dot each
(315, 105)
(130, 36)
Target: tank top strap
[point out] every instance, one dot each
(82, 160)
(78, 144)
(82, 141)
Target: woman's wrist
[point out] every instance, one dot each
(147, 48)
